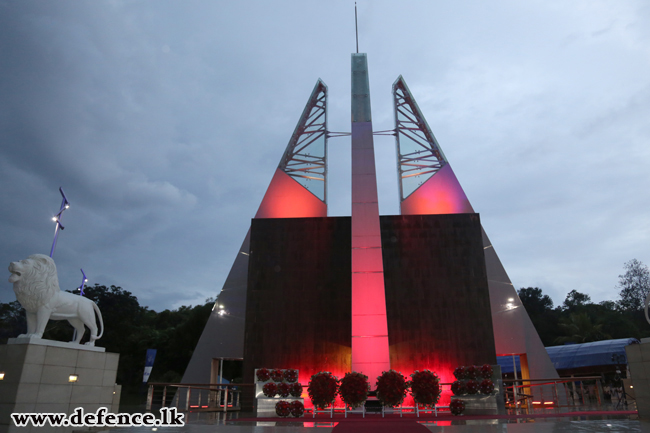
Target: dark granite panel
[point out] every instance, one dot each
(298, 312)
(437, 297)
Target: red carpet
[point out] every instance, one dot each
(378, 426)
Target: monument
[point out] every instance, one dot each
(423, 289)
(38, 375)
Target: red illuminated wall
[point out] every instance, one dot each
(437, 296)
(286, 198)
(298, 299)
(298, 310)
(441, 194)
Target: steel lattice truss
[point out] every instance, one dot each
(305, 158)
(418, 152)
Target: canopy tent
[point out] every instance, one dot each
(571, 356)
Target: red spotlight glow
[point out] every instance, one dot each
(286, 198)
(441, 194)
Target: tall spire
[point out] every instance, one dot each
(370, 354)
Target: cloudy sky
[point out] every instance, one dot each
(164, 121)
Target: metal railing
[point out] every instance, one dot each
(571, 392)
(194, 397)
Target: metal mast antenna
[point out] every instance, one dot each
(356, 26)
(65, 204)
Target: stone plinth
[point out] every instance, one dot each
(638, 361)
(37, 378)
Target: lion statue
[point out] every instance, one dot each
(37, 289)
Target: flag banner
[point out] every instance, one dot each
(148, 365)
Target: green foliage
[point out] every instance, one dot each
(575, 300)
(579, 328)
(578, 319)
(534, 301)
(540, 310)
(634, 286)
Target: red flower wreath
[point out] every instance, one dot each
(290, 375)
(276, 375)
(486, 386)
(459, 373)
(297, 408)
(263, 374)
(283, 408)
(270, 389)
(391, 388)
(284, 389)
(486, 371)
(458, 387)
(295, 389)
(471, 386)
(425, 387)
(322, 389)
(471, 372)
(457, 407)
(354, 389)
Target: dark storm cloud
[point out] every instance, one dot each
(164, 122)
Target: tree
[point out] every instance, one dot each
(533, 300)
(579, 328)
(575, 300)
(634, 285)
(540, 310)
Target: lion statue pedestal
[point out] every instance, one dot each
(43, 375)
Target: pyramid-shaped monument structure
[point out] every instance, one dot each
(423, 289)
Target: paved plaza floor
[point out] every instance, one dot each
(215, 422)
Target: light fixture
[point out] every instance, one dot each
(54, 219)
(73, 378)
(511, 299)
(2, 375)
(67, 206)
(222, 307)
(631, 386)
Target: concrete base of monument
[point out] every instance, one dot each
(638, 361)
(479, 404)
(265, 407)
(52, 376)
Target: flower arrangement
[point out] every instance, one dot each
(471, 386)
(486, 371)
(270, 389)
(354, 389)
(277, 375)
(391, 388)
(290, 375)
(297, 408)
(425, 387)
(457, 407)
(458, 387)
(263, 375)
(486, 386)
(295, 389)
(284, 389)
(473, 379)
(283, 408)
(322, 389)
